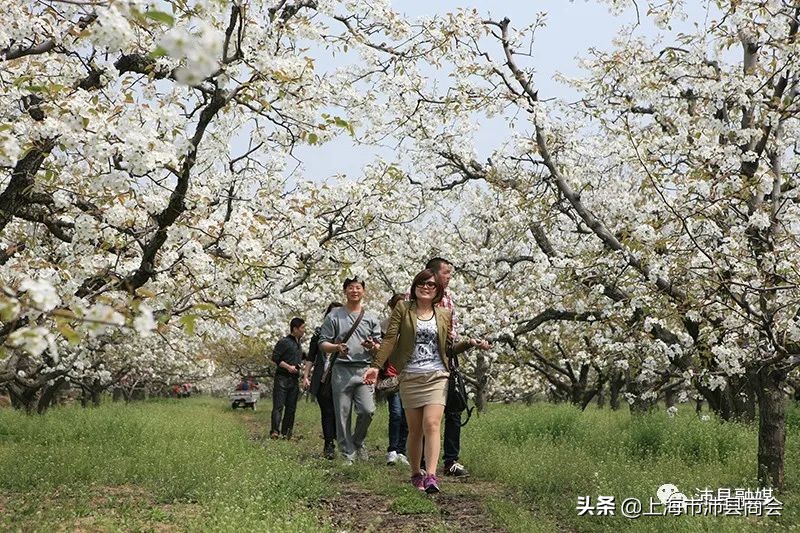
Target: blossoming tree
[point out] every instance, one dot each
(145, 161)
(148, 187)
(668, 190)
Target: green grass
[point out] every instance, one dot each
(127, 467)
(410, 501)
(549, 455)
(191, 465)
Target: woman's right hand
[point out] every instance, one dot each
(371, 376)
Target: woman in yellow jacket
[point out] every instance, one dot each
(416, 344)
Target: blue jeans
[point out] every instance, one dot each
(398, 427)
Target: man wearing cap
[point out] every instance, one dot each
(353, 358)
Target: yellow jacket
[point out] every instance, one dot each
(401, 335)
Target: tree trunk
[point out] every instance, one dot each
(139, 393)
(614, 391)
(638, 405)
(481, 383)
(96, 393)
(736, 402)
(771, 427)
(23, 398)
(481, 399)
(670, 397)
(601, 397)
(48, 397)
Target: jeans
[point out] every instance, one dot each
(327, 414)
(285, 392)
(398, 427)
(349, 394)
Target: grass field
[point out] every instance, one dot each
(550, 455)
(196, 465)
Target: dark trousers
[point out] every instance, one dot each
(285, 392)
(452, 435)
(398, 427)
(325, 401)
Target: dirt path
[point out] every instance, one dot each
(377, 497)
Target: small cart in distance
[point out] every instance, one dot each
(244, 399)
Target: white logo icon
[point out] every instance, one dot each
(669, 493)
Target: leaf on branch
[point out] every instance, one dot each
(160, 16)
(158, 52)
(73, 338)
(145, 293)
(189, 323)
(342, 123)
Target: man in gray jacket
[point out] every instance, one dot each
(347, 373)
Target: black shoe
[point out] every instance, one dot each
(330, 451)
(455, 469)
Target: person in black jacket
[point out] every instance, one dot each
(319, 361)
(288, 355)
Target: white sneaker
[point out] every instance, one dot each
(402, 459)
(362, 454)
(391, 458)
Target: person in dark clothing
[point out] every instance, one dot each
(398, 428)
(319, 361)
(288, 355)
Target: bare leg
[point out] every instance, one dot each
(414, 419)
(431, 424)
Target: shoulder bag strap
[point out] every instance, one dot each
(344, 339)
(353, 327)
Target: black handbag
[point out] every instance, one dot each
(457, 398)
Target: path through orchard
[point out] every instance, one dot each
(372, 496)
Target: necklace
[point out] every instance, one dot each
(426, 317)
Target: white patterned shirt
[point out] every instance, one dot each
(426, 356)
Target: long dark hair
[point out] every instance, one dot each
(424, 276)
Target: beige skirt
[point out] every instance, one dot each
(419, 390)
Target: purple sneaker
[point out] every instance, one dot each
(431, 484)
(418, 480)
